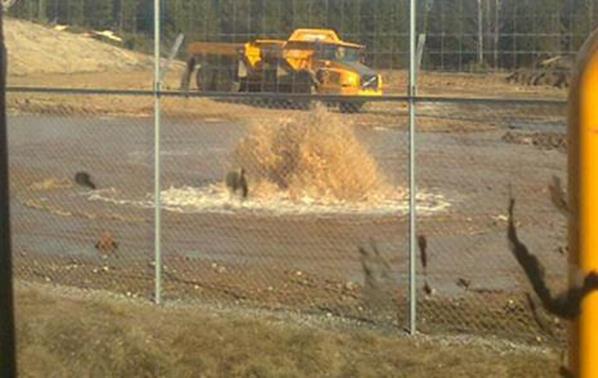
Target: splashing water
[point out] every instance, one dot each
(215, 199)
(306, 164)
(310, 155)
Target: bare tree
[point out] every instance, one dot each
(497, 7)
(41, 10)
(480, 34)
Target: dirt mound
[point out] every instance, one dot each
(541, 140)
(553, 72)
(544, 77)
(314, 155)
(35, 49)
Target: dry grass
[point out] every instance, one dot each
(67, 333)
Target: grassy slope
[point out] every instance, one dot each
(97, 334)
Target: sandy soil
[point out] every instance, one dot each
(41, 50)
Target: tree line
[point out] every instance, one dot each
(460, 34)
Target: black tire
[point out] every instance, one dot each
(303, 83)
(204, 79)
(210, 78)
(350, 107)
(186, 78)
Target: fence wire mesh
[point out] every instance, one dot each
(71, 229)
(320, 184)
(324, 226)
(483, 155)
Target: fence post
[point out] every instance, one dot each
(583, 203)
(8, 363)
(157, 200)
(412, 190)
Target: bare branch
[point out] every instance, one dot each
(566, 305)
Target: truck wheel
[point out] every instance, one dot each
(224, 81)
(350, 107)
(204, 79)
(304, 84)
(243, 85)
(210, 78)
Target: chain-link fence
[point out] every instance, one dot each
(75, 230)
(293, 193)
(479, 156)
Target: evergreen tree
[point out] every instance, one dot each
(75, 14)
(516, 32)
(98, 13)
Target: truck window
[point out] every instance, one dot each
(339, 53)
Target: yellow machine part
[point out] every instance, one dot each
(253, 53)
(339, 80)
(214, 48)
(298, 59)
(312, 35)
(588, 254)
(583, 199)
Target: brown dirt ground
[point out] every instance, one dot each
(433, 84)
(68, 332)
(193, 281)
(544, 141)
(389, 114)
(41, 56)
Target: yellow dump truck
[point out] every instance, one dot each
(311, 61)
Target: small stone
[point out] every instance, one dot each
(196, 287)
(299, 273)
(270, 288)
(95, 270)
(105, 268)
